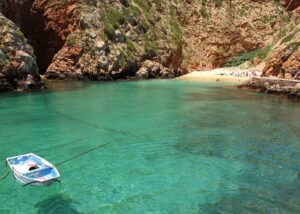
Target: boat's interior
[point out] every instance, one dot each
(45, 172)
(32, 167)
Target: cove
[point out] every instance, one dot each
(170, 147)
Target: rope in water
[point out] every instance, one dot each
(88, 151)
(5, 174)
(72, 158)
(76, 156)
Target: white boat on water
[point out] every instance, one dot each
(30, 169)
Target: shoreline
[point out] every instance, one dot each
(234, 75)
(247, 79)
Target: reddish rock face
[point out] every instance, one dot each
(61, 19)
(45, 23)
(67, 60)
(58, 22)
(283, 61)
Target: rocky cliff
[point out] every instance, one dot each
(215, 32)
(101, 40)
(18, 67)
(284, 58)
(118, 39)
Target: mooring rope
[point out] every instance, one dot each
(72, 158)
(76, 156)
(88, 151)
(4, 176)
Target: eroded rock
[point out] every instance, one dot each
(18, 67)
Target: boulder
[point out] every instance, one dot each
(142, 73)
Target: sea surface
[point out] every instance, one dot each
(164, 147)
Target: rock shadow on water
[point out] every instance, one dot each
(57, 204)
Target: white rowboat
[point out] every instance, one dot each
(30, 169)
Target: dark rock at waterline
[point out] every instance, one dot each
(290, 88)
(150, 69)
(63, 76)
(13, 84)
(147, 70)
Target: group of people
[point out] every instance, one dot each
(246, 73)
(295, 73)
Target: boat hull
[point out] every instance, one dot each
(26, 181)
(30, 169)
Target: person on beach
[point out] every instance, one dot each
(294, 71)
(297, 76)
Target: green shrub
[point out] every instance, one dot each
(287, 17)
(176, 30)
(244, 10)
(150, 45)
(203, 12)
(135, 10)
(130, 45)
(109, 31)
(20, 34)
(71, 40)
(268, 19)
(288, 38)
(112, 19)
(4, 61)
(147, 12)
(158, 4)
(260, 53)
(297, 20)
(282, 33)
(144, 25)
(218, 3)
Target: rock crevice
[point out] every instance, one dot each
(45, 26)
(18, 67)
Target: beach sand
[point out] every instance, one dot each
(234, 75)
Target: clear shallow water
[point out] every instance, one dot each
(169, 147)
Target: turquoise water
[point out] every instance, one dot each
(168, 147)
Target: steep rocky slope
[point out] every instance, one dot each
(284, 57)
(101, 40)
(117, 39)
(278, 54)
(216, 31)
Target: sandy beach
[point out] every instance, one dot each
(234, 75)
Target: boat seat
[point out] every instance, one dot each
(21, 168)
